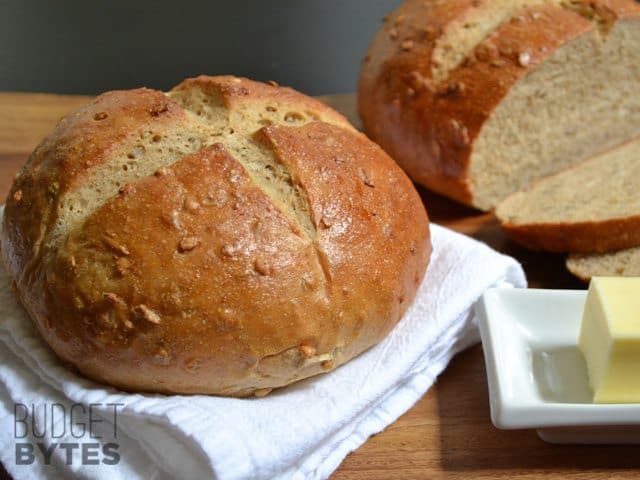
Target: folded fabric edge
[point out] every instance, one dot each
(57, 467)
(392, 406)
(419, 383)
(161, 426)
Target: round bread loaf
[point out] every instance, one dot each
(227, 237)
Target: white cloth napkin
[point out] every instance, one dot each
(301, 432)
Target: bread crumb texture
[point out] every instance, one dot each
(487, 100)
(622, 263)
(591, 207)
(227, 237)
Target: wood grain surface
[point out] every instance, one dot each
(448, 433)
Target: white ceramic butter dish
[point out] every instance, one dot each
(537, 375)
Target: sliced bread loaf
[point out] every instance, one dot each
(477, 99)
(591, 207)
(623, 263)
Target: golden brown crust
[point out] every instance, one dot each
(196, 279)
(354, 190)
(78, 144)
(578, 237)
(430, 127)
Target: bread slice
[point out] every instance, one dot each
(476, 100)
(623, 263)
(591, 207)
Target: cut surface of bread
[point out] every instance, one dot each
(477, 99)
(623, 263)
(591, 207)
(580, 101)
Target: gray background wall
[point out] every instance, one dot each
(90, 46)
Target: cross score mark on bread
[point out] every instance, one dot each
(228, 237)
(467, 31)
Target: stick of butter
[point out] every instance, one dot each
(610, 339)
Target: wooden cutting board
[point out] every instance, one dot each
(448, 433)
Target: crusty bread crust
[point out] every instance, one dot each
(578, 237)
(428, 117)
(228, 238)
